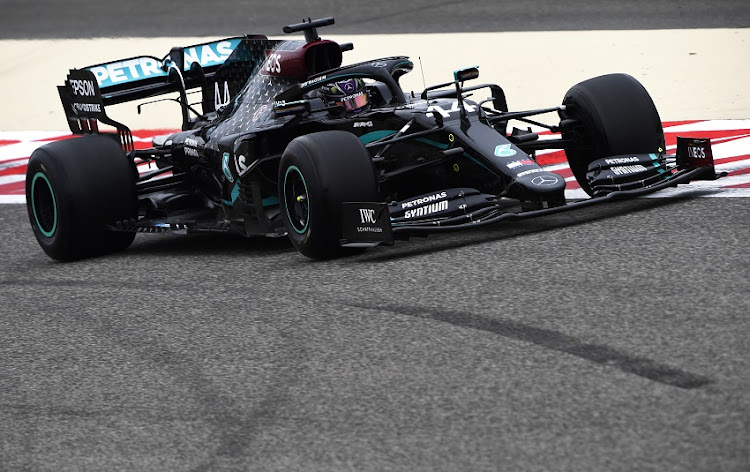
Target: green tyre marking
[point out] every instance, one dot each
(307, 195)
(52, 230)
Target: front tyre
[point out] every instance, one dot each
(317, 173)
(614, 115)
(74, 189)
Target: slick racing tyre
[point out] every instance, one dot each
(318, 172)
(614, 115)
(74, 189)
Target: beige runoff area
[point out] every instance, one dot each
(691, 74)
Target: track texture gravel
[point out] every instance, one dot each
(613, 338)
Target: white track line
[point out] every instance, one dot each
(12, 199)
(712, 125)
(20, 150)
(11, 179)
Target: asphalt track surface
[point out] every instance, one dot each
(613, 338)
(81, 18)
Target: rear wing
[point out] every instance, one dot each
(147, 76)
(88, 91)
(219, 68)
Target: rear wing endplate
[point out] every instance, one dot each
(84, 106)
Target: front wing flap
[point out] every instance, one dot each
(368, 224)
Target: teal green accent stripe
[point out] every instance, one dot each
(270, 201)
(655, 160)
(380, 134)
(375, 135)
(433, 143)
(480, 164)
(335, 78)
(235, 193)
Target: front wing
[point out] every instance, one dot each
(372, 224)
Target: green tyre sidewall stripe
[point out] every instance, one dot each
(42, 176)
(307, 195)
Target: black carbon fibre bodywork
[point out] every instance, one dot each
(442, 161)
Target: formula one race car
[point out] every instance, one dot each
(286, 141)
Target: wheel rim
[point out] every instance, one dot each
(296, 199)
(43, 204)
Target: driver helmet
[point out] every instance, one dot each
(349, 93)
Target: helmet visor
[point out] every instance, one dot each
(354, 102)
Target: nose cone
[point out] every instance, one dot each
(543, 182)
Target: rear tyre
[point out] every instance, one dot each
(74, 189)
(318, 172)
(615, 115)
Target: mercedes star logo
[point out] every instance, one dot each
(348, 86)
(544, 180)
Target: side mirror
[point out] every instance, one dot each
(469, 73)
(282, 108)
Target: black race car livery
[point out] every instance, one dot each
(279, 139)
